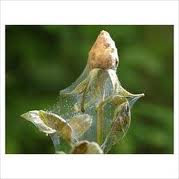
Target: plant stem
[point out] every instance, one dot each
(100, 119)
(99, 124)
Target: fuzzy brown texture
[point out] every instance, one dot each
(81, 148)
(103, 53)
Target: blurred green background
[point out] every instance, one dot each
(41, 60)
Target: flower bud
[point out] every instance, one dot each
(103, 53)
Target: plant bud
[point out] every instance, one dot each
(103, 53)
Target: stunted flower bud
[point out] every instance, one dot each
(103, 53)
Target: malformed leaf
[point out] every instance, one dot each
(80, 124)
(119, 127)
(56, 122)
(33, 116)
(49, 123)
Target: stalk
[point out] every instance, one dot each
(100, 119)
(100, 122)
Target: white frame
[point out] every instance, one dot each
(88, 166)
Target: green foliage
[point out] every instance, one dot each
(41, 60)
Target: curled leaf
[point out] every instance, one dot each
(85, 147)
(33, 116)
(59, 124)
(132, 98)
(119, 126)
(80, 124)
(49, 123)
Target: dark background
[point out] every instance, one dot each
(41, 60)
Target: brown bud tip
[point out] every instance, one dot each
(103, 53)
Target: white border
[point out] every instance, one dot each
(99, 12)
(93, 166)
